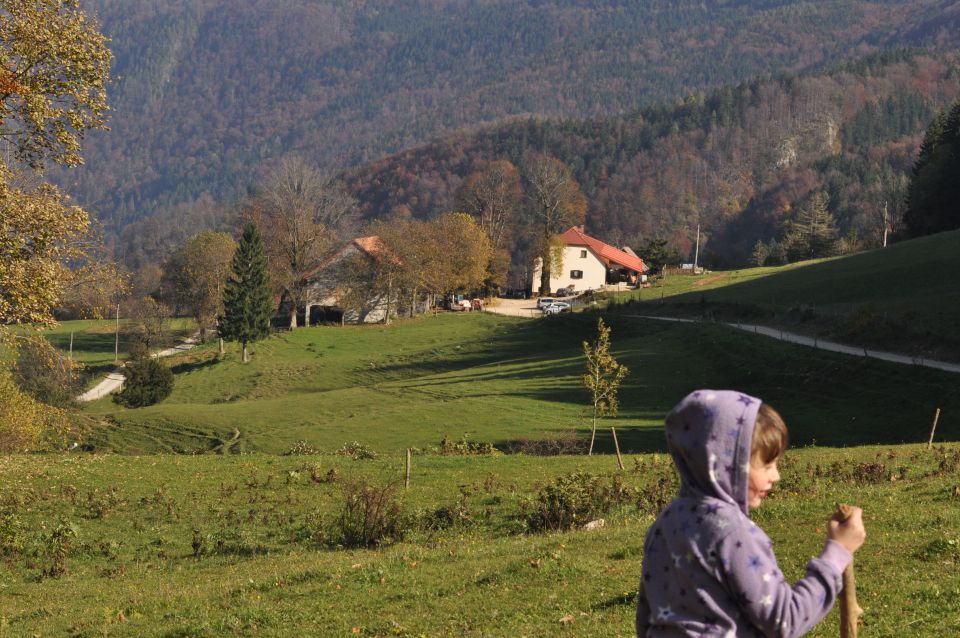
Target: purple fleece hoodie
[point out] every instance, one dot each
(708, 570)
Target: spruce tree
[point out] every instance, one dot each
(934, 188)
(247, 303)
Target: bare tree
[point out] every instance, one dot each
(492, 196)
(555, 204)
(304, 214)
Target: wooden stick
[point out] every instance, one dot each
(616, 445)
(406, 484)
(850, 611)
(933, 429)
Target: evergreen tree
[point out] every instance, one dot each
(935, 188)
(813, 233)
(247, 303)
(148, 381)
(760, 253)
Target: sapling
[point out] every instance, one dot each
(602, 378)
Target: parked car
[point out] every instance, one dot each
(565, 292)
(545, 301)
(556, 308)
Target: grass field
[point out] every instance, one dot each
(237, 545)
(901, 298)
(496, 379)
(230, 536)
(94, 342)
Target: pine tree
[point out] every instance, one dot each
(934, 188)
(247, 303)
(813, 233)
(603, 376)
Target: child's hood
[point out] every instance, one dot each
(709, 434)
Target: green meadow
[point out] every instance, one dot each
(498, 379)
(225, 545)
(903, 298)
(226, 510)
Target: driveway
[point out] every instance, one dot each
(514, 307)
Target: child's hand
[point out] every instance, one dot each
(849, 533)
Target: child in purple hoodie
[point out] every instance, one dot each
(708, 570)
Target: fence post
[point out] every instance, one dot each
(936, 417)
(406, 484)
(616, 446)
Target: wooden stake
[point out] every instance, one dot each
(406, 484)
(936, 417)
(850, 611)
(616, 446)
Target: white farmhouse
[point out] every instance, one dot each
(589, 264)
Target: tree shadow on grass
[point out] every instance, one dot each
(192, 366)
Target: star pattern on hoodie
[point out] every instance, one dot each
(687, 541)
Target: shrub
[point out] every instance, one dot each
(371, 516)
(357, 451)
(447, 516)
(575, 499)
(302, 448)
(148, 381)
(568, 443)
(58, 547)
(22, 418)
(652, 499)
(45, 373)
(11, 532)
(464, 447)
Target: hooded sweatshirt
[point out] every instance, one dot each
(708, 570)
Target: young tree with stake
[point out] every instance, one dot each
(603, 377)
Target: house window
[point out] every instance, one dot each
(576, 274)
(583, 254)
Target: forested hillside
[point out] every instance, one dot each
(739, 160)
(207, 91)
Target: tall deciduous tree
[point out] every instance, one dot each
(556, 203)
(54, 66)
(247, 303)
(198, 273)
(39, 237)
(603, 377)
(493, 195)
(304, 214)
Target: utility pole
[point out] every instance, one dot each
(696, 252)
(116, 340)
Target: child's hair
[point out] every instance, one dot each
(770, 436)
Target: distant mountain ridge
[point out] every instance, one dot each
(208, 90)
(738, 161)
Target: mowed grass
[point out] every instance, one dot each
(95, 341)
(497, 379)
(903, 297)
(234, 545)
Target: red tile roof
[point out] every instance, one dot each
(605, 252)
(370, 245)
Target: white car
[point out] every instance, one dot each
(556, 308)
(544, 301)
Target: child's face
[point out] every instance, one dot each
(762, 477)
